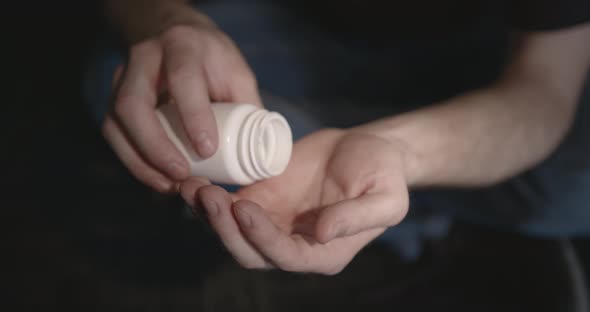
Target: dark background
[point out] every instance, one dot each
(81, 235)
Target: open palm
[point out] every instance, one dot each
(339, 192)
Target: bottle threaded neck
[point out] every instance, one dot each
(265, 144)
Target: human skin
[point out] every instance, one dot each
(344, 187)
(173, 51)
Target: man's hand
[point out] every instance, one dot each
(192, 62)
(340, 191)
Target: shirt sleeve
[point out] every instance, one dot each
(539, 15)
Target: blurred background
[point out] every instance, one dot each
(82, 235)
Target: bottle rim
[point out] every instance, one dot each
(265, 144)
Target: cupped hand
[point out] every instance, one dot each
(194, 64)
(339, 192)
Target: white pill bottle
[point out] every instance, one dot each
(254, 143)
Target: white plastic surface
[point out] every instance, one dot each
(254, 144)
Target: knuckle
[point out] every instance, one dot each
(178, 32)
(401, 214)
(178, 72)
(146, 46)
(187, 38)
(350, 190)
(123, 106)
(215, 41)
(127, 102)
(398, 210)
(197, 119)
(404, 200)
(344, 228)
(245, 77)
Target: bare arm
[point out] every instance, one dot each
(491, 134)
(345, 187)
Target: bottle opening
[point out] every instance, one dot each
(266, 144)
(274, 144)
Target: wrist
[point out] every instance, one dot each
(408, 156)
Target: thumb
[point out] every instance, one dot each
(352, 216)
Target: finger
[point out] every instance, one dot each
(297, 253)
(243, 88)
(241, 82)
(135, 109)
(132, 160)
(289, 253)
(368, 211)
(229, 76)
(217, 204)
(117, 76)
(187, 86)
(189, 188)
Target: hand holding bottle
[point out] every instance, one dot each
(194, 63)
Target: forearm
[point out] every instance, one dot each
(479, 138)
(491, 134)
(140, 19)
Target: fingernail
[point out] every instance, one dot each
(205, 145)
(211, 208)
(178, 170)
(243, 217)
